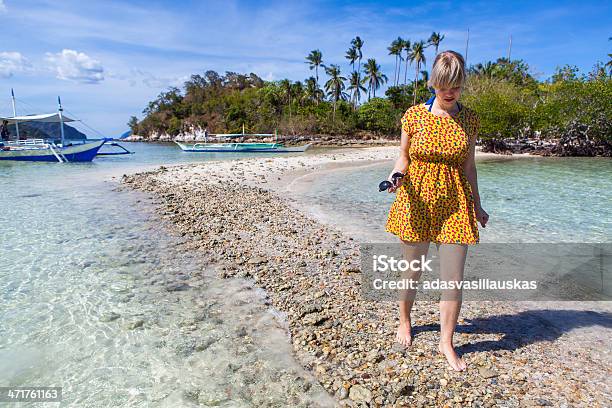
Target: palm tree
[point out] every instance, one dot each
(356, 88)
(609, 63)
(315, 60)
(417, 56)
(435, 39)
(297, 90)
(424, 76)
(285, 85)
(487, 70)
(374, 76)
(396, 48)
(358, 44)
(352, 56)
(312, 91)
(335, 85)
(406, 45)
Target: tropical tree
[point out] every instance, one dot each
(352, 56)
(335, 85)
(374, 77)
(424, 76)
(358, 44)
(435, 39)
(406, 46)
(609, 63)
(133, 124)
(396, 48)
(417, 55)
(516, 71)
(285, 85)
(486, 70)
(379, 116)
(315, 60)
(312, 90)
(565, 74)
(297, 90)
(356, 88)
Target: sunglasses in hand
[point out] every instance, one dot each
(385, 185)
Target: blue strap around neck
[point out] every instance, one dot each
(430, 102)
(433, 96)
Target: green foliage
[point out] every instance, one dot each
(380, 116)
(399, 96)
(133, 124)
(501, 106)
(508, 100)
(509, 109)
(586, 102)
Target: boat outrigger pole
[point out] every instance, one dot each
(15, 112)
(61, 118)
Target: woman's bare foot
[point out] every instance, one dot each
(404, 334)
(453, 359)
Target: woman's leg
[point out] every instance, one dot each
(452, 262)
(411, 251)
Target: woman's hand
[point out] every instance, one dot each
(481, 215)
(397, 181)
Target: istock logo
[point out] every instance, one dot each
(385, 263)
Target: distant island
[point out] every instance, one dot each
(568, 115)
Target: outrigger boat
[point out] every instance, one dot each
(47, 151)
(116, 152)
(234, 147)
(43, 150)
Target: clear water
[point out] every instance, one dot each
(82, 263)
(528, 200)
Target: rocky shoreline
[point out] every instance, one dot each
(575, 146)
(229, 213)
(316, 140)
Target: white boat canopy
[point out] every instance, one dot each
(45, 117)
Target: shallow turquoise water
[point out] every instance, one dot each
(528, 200)
(74, 250)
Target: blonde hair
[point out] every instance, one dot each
(448, 70)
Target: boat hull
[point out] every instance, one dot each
(240, 148)
(77, 153)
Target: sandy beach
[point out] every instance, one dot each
(240, 219)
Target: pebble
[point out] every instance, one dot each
(487, 372)
(134, 324)
(359, 393)
(109, 317)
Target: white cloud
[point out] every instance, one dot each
(13, 62)
(2, 7)
(76, 66)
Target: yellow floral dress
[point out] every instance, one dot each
(434, 202)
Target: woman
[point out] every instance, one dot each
(437, 198)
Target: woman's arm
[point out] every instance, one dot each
(469, 167)
(402, 162)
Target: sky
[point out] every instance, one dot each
(108, 59)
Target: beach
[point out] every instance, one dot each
(245, 221)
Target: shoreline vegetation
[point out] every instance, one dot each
(569, 114)
(235, 215)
